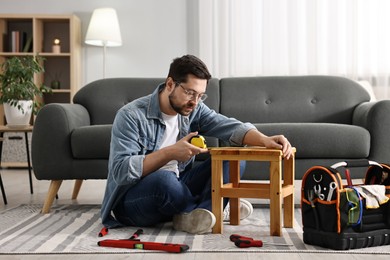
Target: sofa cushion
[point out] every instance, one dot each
(323, 140)
(91, 142)
(104, 97)
(296, 99)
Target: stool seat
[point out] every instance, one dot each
(279, 191)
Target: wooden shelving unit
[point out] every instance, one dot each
(42, 30)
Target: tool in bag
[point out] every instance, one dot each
(135, 243)
(346, 216)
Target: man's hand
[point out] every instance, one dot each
(279, 142)
(256, 138)
(181, 151)
(184, 150)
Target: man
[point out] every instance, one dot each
(150, 179)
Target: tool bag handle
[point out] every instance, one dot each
(351, 164)
(355, 163)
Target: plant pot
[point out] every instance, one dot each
(55, 84)
(18, 117)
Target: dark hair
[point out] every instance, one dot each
(188, 64)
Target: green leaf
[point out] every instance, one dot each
(17, 80)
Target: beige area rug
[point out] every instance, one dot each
(74, 229)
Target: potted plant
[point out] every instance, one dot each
(19, 91)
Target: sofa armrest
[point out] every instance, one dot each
(375, 117)
(50, 146)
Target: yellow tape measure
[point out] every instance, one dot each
(198, 141)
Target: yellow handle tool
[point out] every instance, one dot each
(198, 141)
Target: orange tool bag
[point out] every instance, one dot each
(339, 215)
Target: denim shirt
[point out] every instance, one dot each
(138, 130)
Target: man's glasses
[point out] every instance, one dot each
(193, 95)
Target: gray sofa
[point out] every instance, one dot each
(328, 119)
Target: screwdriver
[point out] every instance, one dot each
(248, 243)
(244, 242)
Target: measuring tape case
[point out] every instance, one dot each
(339, 215)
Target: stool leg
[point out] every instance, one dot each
(288, 181)
(275, 198)
(234, 202)
(216, 199)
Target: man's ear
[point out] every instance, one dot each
(170, 84)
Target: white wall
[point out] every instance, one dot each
(153, 33)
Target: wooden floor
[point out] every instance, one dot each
(18, 192)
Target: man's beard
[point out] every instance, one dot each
(182, 110)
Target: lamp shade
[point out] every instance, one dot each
(103, 29)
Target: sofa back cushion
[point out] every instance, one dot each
(325, 99)
(104, 97)
(323, 140)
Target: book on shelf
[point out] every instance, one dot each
(28, 45)
(5, 42)
(20, 42)
(15, 38)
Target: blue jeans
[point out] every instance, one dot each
(160, 195)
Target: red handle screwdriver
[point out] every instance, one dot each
(103, 232)
(235, 237)
(136, 234)
(248, 243)
(243, 242)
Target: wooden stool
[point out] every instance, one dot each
(275, 190)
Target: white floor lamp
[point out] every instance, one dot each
(103, 30)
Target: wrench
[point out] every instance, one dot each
(332, 187)
(317, 191)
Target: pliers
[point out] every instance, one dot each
(243, 242)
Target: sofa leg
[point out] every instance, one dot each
(76, 189)
(53, 190)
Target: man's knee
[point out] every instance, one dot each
(169, 187)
